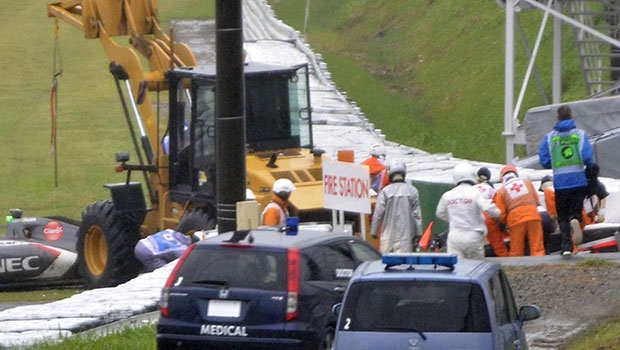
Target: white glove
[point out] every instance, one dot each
(600, 217)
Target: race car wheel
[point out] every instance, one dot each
(196, 220)
(105, 245)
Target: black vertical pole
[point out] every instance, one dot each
(230, 118)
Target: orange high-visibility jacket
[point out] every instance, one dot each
(518, 201)
(550, 202)
(275, 212)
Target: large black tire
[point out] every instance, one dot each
(198, 219)
(105, 245)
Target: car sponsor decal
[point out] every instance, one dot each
(10, 265)
(53, 231)
(19, 261)
(25, 220)
(223, 330)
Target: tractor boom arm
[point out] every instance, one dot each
(104, 19)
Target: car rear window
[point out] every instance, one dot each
(235, 268)
(426, 306)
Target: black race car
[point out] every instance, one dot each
(38, 251)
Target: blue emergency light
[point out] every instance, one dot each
(443, 259)
(292, 226)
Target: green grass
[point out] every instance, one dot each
(429, 73)
(91, 126)
(595, 262)
(169, 9)
(605, 336)
(37, 295)
(139, 338)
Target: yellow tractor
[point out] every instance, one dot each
(179, 163)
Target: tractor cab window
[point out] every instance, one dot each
(277, 113)
(299, 107)
(203, 131)
(180, 135)
(192, 146)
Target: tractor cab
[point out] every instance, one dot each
(277, 115)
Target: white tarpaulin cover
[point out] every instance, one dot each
(599, 118)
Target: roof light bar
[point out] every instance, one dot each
(443, 259)
(292, 226)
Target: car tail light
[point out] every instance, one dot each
(165, 292)
(292, 283)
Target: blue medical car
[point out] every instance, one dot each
(429, 301)
(259, 289)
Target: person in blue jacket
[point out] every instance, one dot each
(566, 149)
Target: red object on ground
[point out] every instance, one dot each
(603, 244)
(426, 237)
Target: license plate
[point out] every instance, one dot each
(224, 308)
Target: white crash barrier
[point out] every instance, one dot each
(28, 325)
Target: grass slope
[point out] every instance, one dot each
(131, 338)
(429, 73)
(37, 295)
(91, 126)
(605, 336)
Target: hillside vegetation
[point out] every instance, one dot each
(430, 73)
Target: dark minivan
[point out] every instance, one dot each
(259, 289)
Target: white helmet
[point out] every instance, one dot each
(377, 150)
(397, 167)
(463, 172)
(283, 185)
